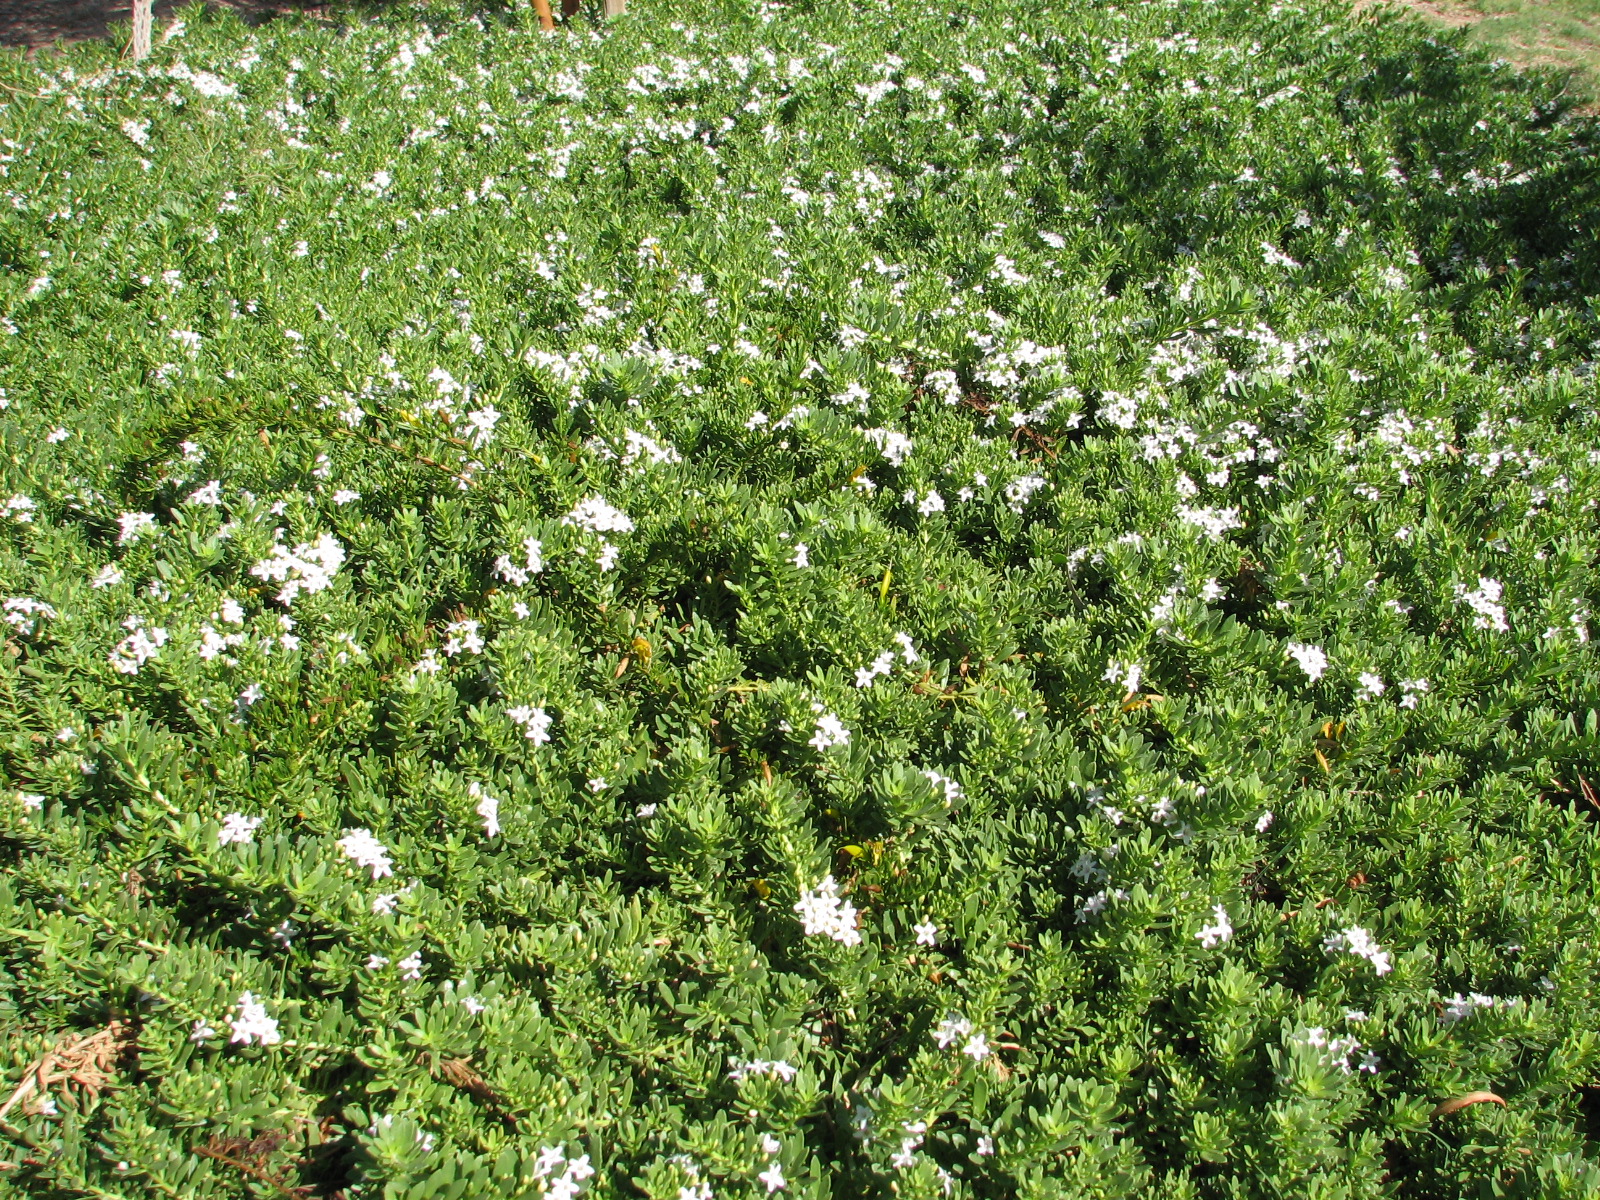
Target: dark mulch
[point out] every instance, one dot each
(39, 24)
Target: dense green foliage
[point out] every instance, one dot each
(835, 600)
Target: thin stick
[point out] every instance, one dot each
(143, 19)
(547, 22)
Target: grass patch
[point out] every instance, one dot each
(1563, 35)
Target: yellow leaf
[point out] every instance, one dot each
(854, 851)
(761, 888)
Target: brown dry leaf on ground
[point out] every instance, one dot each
(87, 1062)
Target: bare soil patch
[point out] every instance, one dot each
(37, 24)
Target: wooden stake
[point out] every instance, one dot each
(615, 8)
(546, 21)
(143, 19)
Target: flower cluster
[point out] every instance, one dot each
(309, 567)
(823, 913)
(1357, 941)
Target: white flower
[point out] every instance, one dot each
(598, 784)
(384, 903)
(210, 494)
(1264, 822)
(488, 808)
(1096, 904)
(1119, 410)
(1356, 940)
(802, 555)
(1274, 257)
(535, 722)
(822, 911)
(23, 613)
(830, 732)
(479, 425)
(1311, 659)
(1219, 931)
(138, 131)
(773, 1178)
(1020, 490)
(1459, 1007)
(1128, 675)
(463, 638)
(892, 444)
(881, 665)
(533, 551)
(188, 339)
(773, 1069)
(309, 567)
(1412, 690)
(1213, 522)
(135, 525)
(411, 965)
(985, 1145)
(1369, 686)
(952, 1029)
(473, 1005)
(376, 962)
(977, 1048)
(59, 434)
(109, 576)
(367, 851)
(236, 827)
(252, 1024)
(645, 811)
(1336, 1050)
(931, 503)
(1484, 600)
(595, 515)
(138, 648)
(202, 1032)
(345, 496)
(927, 933)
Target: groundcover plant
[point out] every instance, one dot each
(816, 600)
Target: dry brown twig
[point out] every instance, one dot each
(86, 1062)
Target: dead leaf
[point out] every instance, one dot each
(87, 1062)
(462, 1074)
(1460, 1102)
